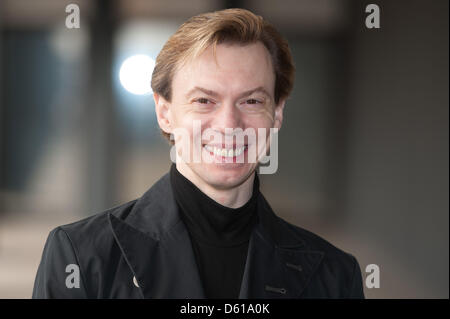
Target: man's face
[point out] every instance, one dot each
(233, 90)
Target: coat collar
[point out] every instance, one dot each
(156, 245)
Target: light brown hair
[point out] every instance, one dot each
(238, 26)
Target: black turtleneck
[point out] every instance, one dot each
(219, 235)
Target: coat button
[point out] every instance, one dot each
(135, 282)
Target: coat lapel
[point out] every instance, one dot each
(163, 268)
(156, 245)
(279, 264)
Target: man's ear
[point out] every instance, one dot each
(162, 113)
(278, 118)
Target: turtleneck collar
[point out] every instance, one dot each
(209, 221)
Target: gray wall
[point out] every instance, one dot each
(397, 182)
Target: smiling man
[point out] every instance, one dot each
(204, 230)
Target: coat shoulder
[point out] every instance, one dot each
(92, 235)
(95, 224)
(89, 246)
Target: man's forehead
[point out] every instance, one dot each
(244, 67)
(222, 54)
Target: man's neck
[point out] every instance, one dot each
(233, 197)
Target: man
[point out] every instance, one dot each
(204, 230)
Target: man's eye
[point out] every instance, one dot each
(203, 100)
(253, 101)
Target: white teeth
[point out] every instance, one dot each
(224, 151)
(209, 148)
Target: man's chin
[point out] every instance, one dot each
(227, 175)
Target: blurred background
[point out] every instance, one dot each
(363, 155)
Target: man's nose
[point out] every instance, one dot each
(228, 117)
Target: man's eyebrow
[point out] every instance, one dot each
(215, 94)
(259, 89)
(206, 91)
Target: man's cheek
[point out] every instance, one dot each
(268, 115)
(183, 143)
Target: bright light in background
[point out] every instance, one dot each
(136, 73)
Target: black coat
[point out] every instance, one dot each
(143, 250)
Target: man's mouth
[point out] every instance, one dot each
(230, 152)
